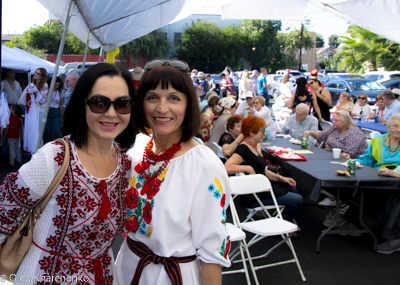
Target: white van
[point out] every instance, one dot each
(77, 66)
(380, 76)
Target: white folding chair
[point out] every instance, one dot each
(325, 125)
(374, 134)
(367, 132)
(219, 150)
(237, 234)
(271, 226)
(200, 141)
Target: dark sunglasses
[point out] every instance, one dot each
(100, 104)
(362, 98)
(178, 64)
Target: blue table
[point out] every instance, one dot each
(372, 126)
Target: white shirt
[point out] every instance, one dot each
(12, 95)
(366, 110)
(264, 113)
(240, 109)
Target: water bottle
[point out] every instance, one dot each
(362, 119)
(273, 131)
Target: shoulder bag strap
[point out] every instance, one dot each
(56, 181)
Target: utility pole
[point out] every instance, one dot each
(301, 43)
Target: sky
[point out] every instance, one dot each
(20, 15)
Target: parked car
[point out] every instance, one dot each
(329, 71)
(354, 87)
(336, 76)
(391, 83)
(292, 72)
(380, 76)
(77, 66)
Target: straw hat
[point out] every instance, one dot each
(396, 91)
(137, 73)
(201, 73)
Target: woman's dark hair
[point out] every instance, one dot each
(301, 87)
(59, 80)
(317, 81)
(233, 120)
(75, 114)
(180, 80)
(213, 101)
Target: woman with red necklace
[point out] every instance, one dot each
(248, 158)
(176, 206)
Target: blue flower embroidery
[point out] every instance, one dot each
(211, 188)
(142, 228)
(223, 213)
(140, 178)
(130, 212)
(217, 194)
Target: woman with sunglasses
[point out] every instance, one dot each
(302, 95)
(179, 189)
(34, 99)
(322, 95)
(86, 213)
(248, 158)
(361, 107)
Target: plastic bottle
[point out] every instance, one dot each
(273, 131)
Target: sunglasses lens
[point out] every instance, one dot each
(99, 104)
(178, 64)
(123, 105)
(153, 63)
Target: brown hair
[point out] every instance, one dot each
(169, 76)
(39, 85)
(230, 123)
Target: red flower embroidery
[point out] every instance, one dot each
(132, 198)
(227, 249)
(132, 224)
(153, 188)
(141, 167)
(223, 200)
(147, 213)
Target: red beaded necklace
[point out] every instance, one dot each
(152, 184)
(250, 143)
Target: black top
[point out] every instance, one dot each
(258, 163)
(325, 113)
(308, 101)
(226, 138)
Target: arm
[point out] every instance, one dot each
(228, 149)
(385, 171)
(278, 178)
(5, 132)
(232, 165)
(291, 101)
(316, 108)
(211, 273)
(325, 96)
(61, 107)
(314, 134)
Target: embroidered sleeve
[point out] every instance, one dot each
(20, 190)
(208, 213)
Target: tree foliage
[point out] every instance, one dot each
(17, 42)
(320, 41)
(150, 46)
(363, 50)
(47, 39)
(333, 41)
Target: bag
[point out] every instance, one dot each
(12, 252)
(330, 218)
(275, 169)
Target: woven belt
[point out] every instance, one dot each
(146, 256)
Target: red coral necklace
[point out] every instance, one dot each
(152, 184)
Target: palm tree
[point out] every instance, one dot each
(363, 51)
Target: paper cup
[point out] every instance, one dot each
(336, 153)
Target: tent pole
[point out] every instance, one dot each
(86, 49)
(100, 54)
(53, 79)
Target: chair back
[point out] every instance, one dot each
(200, 141)
(374, 134)
(220, 153)
(325, 125)
(249, 184)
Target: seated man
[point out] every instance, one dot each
(243, 108)
(300, 122)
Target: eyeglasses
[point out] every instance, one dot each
(362, 98)
(395, 126)
(311, 82)
(100, 104)
(38, 73)
(178, 64)
(262, 130)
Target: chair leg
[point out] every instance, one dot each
(289, 241)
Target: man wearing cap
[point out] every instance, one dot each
(392, 105)
(137, 74)
(227, 84)
(396, 92)
(203, 83)
(244, 106)
(263, 85)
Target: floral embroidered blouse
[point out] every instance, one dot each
(185, 217)
(206, 123)
(69, 239)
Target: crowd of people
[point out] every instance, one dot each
(135, 167)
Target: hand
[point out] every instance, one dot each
(251, 170)
(387, 172)
(307, 133)
(240, 138)
(346, 155)
(289, 181)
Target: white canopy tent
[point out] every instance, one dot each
(113, 23)
(18, 59)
